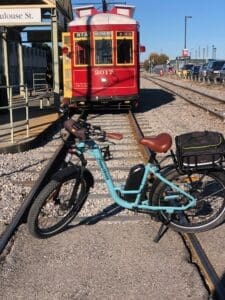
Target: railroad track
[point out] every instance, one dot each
(46, 167)
(199, 257)
(208, 103)
(42, 173)
(131, 132)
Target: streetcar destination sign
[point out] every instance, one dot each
(9, 16)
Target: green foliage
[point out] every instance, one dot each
(158, 59)
(155, 59)
(146, 65)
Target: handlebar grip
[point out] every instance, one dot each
(114, 135)
(70, 126)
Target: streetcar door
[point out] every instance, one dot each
(67, 72)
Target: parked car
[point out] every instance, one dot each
(194, 71)
(222, 74)
(202, 72)
(186, 70)
(213, 70)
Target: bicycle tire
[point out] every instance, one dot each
(209, 189)
(53, 201)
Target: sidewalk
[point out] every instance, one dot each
(40, 122)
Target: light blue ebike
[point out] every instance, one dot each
(187, 202)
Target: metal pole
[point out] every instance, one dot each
(27, 110)
(185, 30)
(212, 51)
(54, 29)
(11, 114)
(21, 68)
(5, 55)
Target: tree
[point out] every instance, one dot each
(163, 58)
(146, 65)
(155, 59)
(158, 59)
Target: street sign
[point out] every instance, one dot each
(183, 57)
(185, 52)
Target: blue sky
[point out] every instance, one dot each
(162, 26)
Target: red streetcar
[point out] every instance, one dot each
(101, 58)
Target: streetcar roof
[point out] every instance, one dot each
(103, 19)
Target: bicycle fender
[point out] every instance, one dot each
(89, 177)
(164, 171)
(73, 172)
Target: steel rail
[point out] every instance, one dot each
(192, 90)
(188, 100)
(208, 272)
(199, 257)
(22, 212)
(24, 208)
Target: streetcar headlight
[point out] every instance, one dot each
(104, 80)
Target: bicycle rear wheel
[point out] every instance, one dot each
(208, 187)
(58, 203)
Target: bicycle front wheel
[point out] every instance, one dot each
(58, 203)
(208, 187)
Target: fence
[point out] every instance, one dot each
(15, 103)
(39, 82)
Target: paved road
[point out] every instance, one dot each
(112, 259)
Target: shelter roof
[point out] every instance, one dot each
(29, 2)
(65, 6)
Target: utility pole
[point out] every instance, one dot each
(185, 30)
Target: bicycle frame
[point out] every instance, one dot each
(138, 204)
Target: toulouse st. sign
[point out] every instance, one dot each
(19, 16)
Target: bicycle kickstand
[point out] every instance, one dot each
(162, 230)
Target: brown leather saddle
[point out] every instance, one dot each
(160, 143)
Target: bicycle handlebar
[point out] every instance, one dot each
(67, 110)
(82, 130)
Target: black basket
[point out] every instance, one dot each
(200, 150)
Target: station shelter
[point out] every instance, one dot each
(32, 22)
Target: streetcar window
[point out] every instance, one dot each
(103, 47)
(82, 53)
(82, 48)
(124, 52)
(124, 47)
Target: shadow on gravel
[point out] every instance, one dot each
(152, 98)
(107, 212)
